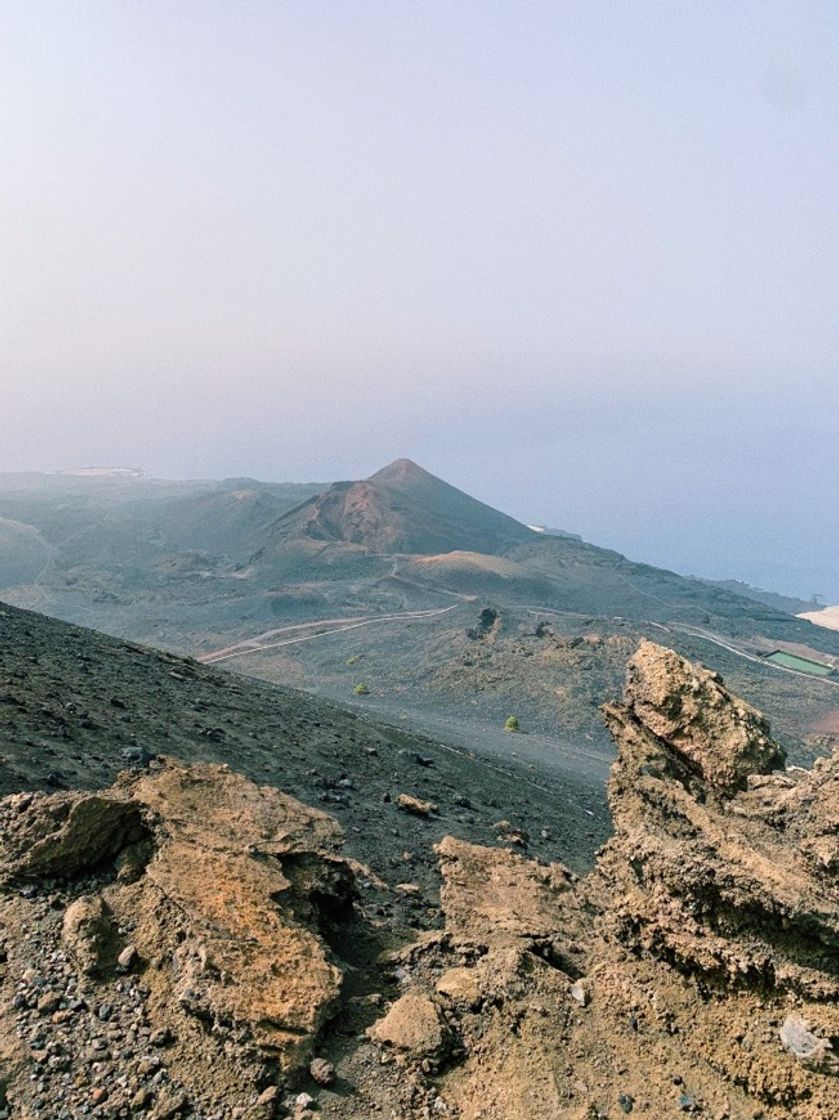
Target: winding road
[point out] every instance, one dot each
(262, 642)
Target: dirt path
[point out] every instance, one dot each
(538, 753)
(258, 644)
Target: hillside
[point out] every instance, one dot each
(399, 509)
(76, 707)
(788, 603)
(200, 567)
(477, 663)
(23, 552)
(221, 520)
(120, 520)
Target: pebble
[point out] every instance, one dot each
(170, 1104)
(127, 957)
(579, 993)
(322, 1072)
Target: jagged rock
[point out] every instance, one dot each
(246, 874)
(720, 878)
(413, 1026)
(226, 917)
(695, 971)
(490, 894)
(689, 708)
(68, 833)
(712, 907)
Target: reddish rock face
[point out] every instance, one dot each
(400, 509)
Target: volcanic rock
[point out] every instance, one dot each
(416, 806)
(413, 1025)
(664, 977)
(226, 923)
(88, 932)
(696, 970)
(689, 708)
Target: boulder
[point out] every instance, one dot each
(690, 709)
(413, 1026)
(222, 922)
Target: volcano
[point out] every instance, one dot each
(401, 509)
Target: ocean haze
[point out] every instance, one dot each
(576, 259)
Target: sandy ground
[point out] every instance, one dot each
(829, 617)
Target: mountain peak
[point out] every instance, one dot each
(401, 470)
(401, 509)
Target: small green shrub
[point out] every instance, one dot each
(511, 723)
(361, 690)
(352, 660)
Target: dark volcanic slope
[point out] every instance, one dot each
(72, 701)
(221, 520)
(400, 509)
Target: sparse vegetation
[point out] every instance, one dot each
(352, 660)
(487, 622)
(512, 723)
(361, 690)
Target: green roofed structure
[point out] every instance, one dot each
(800, 664)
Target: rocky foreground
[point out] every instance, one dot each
(188, 944)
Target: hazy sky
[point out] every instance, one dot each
(580, 258)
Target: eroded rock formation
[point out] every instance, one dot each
(183, 933)
(696, 971)
(201, 895)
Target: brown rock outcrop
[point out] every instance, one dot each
(221, 920)
(734, 884)
(724, 739)
(413, 1026)
(695, 971)
(493, 896)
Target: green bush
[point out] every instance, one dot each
(511, 723)
(352, 660)
(361, 690)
